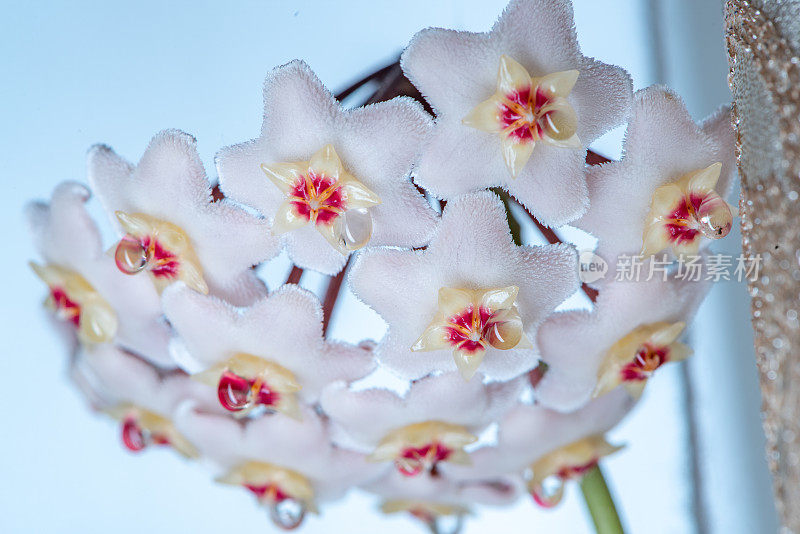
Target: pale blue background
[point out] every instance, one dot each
(77, 73)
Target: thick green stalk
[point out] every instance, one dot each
(600, 503)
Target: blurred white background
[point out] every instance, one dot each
(76, 73)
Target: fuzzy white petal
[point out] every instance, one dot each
(662, 144)
(170, 184)
(285, 328)
(377, 144)
(456, 71)
(65, 235)
(472, 248)
(366, 416)
(574, 343)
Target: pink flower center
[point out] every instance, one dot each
(135, 438)
(161, 262)
(469, 330)
(521, 114)
(238, 393)
(317, 198)
(682, 223)
(66, 308)
(644, 364)
(413, 460)
(268, 491)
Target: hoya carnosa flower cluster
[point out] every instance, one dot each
(177, 337)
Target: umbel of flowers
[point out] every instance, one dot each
(174, 333)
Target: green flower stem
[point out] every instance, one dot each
(600, 503)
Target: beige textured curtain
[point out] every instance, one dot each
(763, 39)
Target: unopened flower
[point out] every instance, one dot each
(331, 180)
(138, 396)
(471, 301)
(86, 290)
(172, 228)
(515, 107)
(631, 332)
(430, 425)
(288, 465)
(668, 190)
(268, 355)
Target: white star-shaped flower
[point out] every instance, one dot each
(439, 499)
(502, 292)
(86, 289)
(515, 107)
(271, 353)
(430, 425)
(277, 458)
(590, 352)
(668, 189)
(173, 230)
(331, 180)
(141, 398)
(544, 443)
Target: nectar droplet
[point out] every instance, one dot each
(98, 323)
(353, 228)
(234, 392)
(131, 255)
(409, 467)
(560, 123)
(506, 332)
(133, 437)
(714, 217)
(288, 513)
(447, 524)
(548, 492)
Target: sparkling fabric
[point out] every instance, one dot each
(763, 38)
